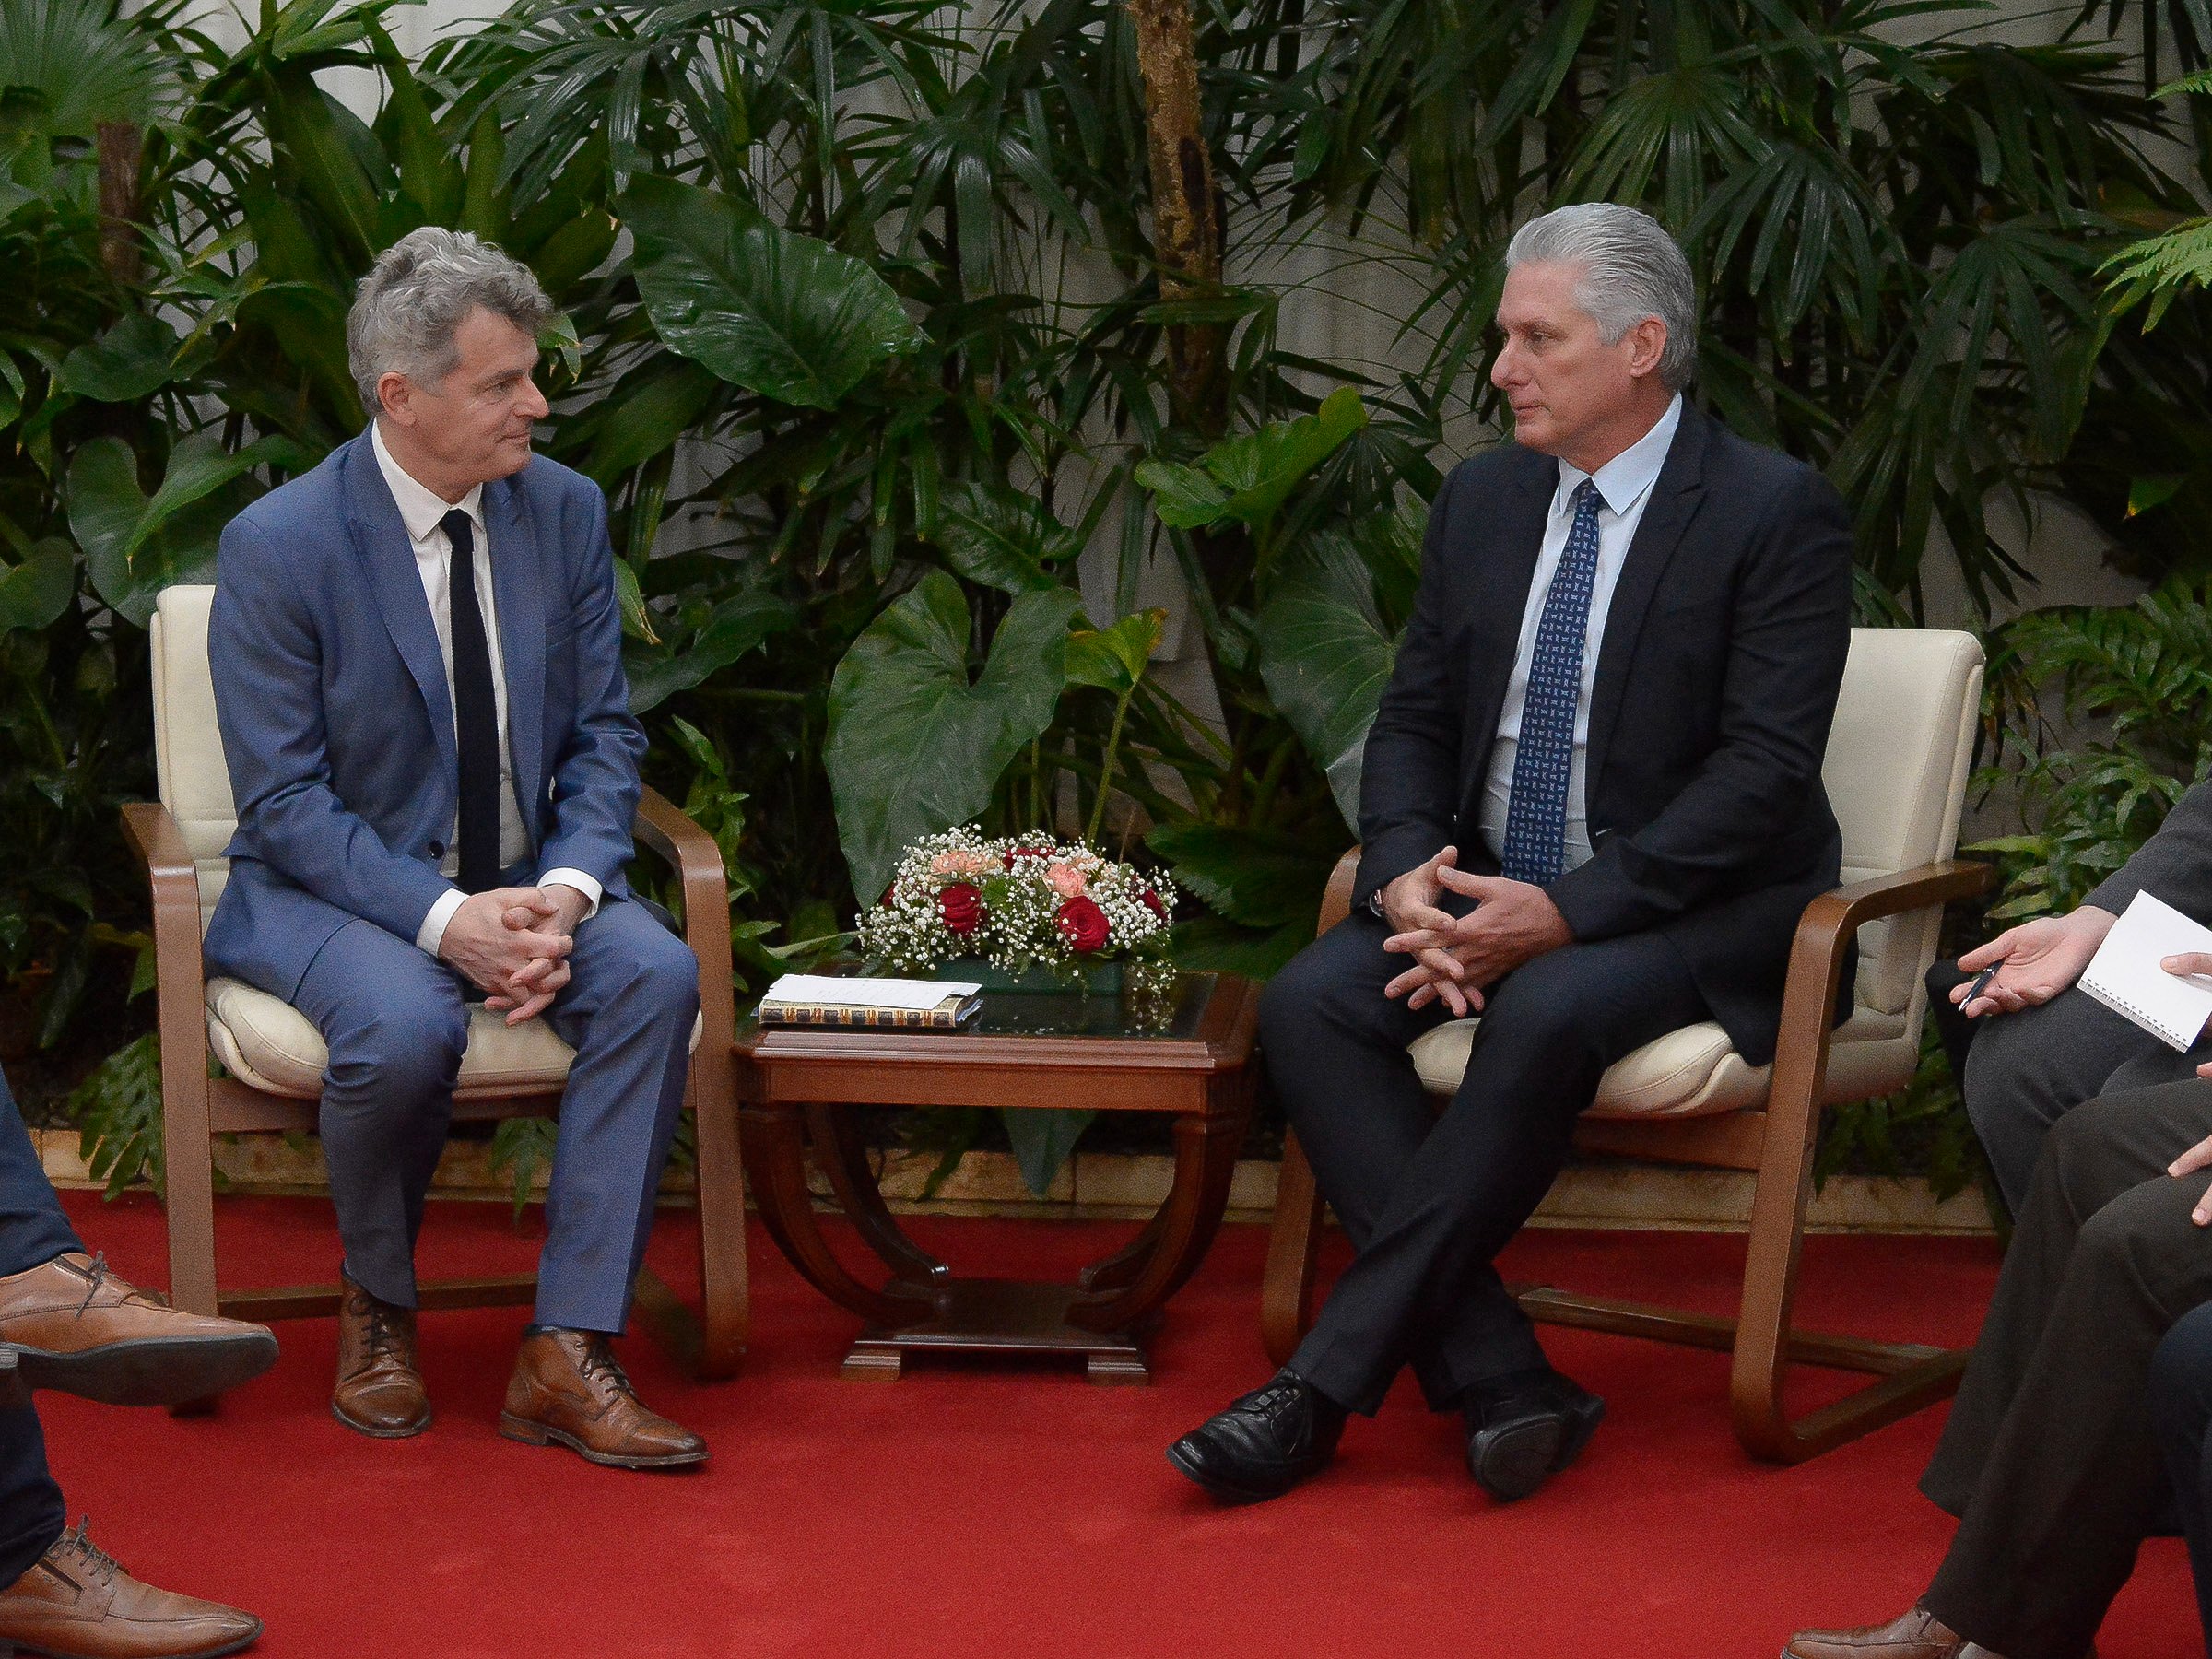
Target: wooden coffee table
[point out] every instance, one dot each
(1027, 1051)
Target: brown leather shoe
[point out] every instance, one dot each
(1918, 1634)
(75, 1603)
(380, 1392)
(568, 1388)
(75, 1326)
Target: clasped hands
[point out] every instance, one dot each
(1456, 957)
(513, 943)
(2037, 959)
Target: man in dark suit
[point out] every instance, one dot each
(416, 655)
(67, 1323)
(1592, 811)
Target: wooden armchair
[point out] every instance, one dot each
(1895, 773)
(272, 1057)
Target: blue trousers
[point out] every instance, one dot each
(33, 1230)
(2181, 1413)
(397, 1021)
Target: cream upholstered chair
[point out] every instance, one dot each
(272, 1056)
(1896, 774)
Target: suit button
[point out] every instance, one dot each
(436, 849)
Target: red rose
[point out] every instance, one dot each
(885, 900)
(1152, 903)
(961, 907)
(1083, 925)
(1011, 853)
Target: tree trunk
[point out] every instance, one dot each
(119, 206)
(1186, 212)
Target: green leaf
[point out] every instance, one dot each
(915, 746)
(135, 547)
(1249, 477)
(37, 591)
(1325, 655)
(1002, 539)
(767, 309)
(129, 361)
(1183, 496)
(737, 625)
(1043, 1141)
(1257, 877)
(1116, 658)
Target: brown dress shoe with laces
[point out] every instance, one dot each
(380, 1392)
(75, 1327)
(1915, 1635)
(567, 1387)
(75, 1603)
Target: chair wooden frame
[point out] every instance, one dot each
(195, 1107)
(1776, 1142)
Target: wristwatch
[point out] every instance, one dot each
(1374, 905)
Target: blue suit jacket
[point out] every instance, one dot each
(330, 692)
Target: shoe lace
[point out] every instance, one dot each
(95, 1277)
(95, 1561)
(599, 1363)
(380, 1334)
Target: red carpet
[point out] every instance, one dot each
(1009, 1512)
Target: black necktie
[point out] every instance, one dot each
(475, 716)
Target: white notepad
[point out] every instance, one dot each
(905, 994)
(2125, 976)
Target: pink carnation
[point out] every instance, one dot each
(959, 860)
(1066, 881)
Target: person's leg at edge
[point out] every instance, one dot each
(1550, 1031)
(2072, 1482)
(33, 1230)
(2181, 1414)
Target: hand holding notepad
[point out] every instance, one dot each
(2128, 974)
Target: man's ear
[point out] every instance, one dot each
(1647, 343)
(394, 395)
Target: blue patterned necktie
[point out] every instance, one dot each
(1536, 813)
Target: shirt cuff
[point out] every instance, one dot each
(432, 933)
(586, 884)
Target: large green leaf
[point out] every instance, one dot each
(1325, 654)
(1256, 877)
(129, 361)
(1002, 539)
(735, 627)
(37, 591)
(915, 745)
(86, 64)
(1043, 1141)
(1116, 658)
(775, 311)
(1249, 477)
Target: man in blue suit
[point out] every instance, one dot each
(418, 674)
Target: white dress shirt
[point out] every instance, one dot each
(1625, 485)
(422, 511)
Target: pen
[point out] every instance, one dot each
(1981, 984)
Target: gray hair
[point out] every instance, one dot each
(406, 310)
(1631, 270)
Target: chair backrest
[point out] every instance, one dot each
(188, 769)
(1896, 775)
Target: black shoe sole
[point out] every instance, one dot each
(237, 1645)
(158, 1371)
(525, 1432)
(1227, 1491)
(1512, 1462)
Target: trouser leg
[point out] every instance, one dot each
(627, 1011)
(1549, 1032)
(31, 1516)
(2181, 1415)
(2025, 1070)
(395, 1024)
(2070, 1483)
(33, 1230)
(1335, 1050)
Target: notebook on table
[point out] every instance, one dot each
(820, 999)
(2125, 975)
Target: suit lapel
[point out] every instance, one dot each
(1674, 496)
(518, 590)
(1507, 565)
(380, 541)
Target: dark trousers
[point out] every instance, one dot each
(2024, 1071)
(1429, 1200)
(33, 1230)
(396, 1020)
(2181, 1415)
(2049, 1460)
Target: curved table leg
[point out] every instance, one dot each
(774, 1154)
(1206, 1160)
(1127, 1265)
(835, 1131)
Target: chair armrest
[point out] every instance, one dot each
(175, 877)
(690, 851)
(1336, 899)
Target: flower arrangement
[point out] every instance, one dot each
(1021, 902)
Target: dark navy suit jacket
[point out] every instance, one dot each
(330, 692)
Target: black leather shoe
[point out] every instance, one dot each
(1523, 1430)
(1264, 1444)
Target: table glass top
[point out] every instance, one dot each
(1066, 1014)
